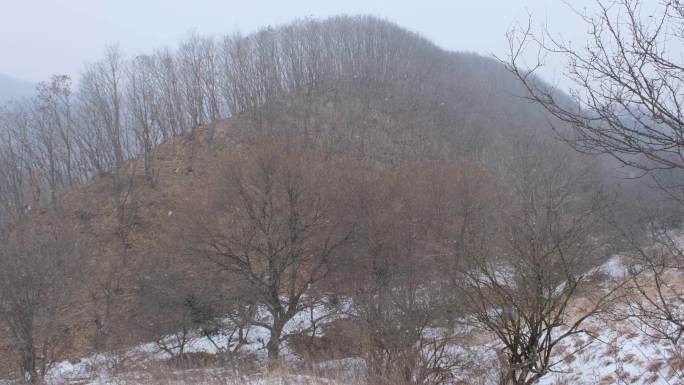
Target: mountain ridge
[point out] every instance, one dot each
(13, 88)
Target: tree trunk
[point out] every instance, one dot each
(273, 346)
(28, 365)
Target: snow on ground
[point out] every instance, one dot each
(94, 366)
(102, 369)
(615, 267)
(617, 352)
(613, 352)
(98, 368)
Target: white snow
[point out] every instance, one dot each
(617, 352)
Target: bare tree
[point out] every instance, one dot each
(12, 167)
(37, 279)
(625, 90)
(407, 218)
(102, 98)
(144, 109)
(273, 229)
(521, 283)
(167, 83)
(191, 66)
(109, 283)
(624, 84)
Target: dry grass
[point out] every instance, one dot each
(160, 373)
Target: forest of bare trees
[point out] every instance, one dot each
(247, 182)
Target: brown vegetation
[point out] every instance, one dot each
(244, 182)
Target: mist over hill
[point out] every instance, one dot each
(11, 88)
(324, 191)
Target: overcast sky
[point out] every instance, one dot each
(42, 37)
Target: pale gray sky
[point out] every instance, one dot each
(42, 37)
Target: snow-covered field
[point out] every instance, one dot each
(614, 352)
(145, 363)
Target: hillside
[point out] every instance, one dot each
(610, 351)
(380, 134)
(318, 194)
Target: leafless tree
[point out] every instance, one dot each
(406, 218)
(144, 108)
(272, 229)
(102, 92)
(522, 283)
(12, 167)
(109, 283)
(167, 84)
(625, 82)
(37, 280)
(192, 63)
(625, 101)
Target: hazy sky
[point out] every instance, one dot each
(42, 37)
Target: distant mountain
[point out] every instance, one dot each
(14, 88)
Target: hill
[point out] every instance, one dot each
(269, 182)
(11, 88)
